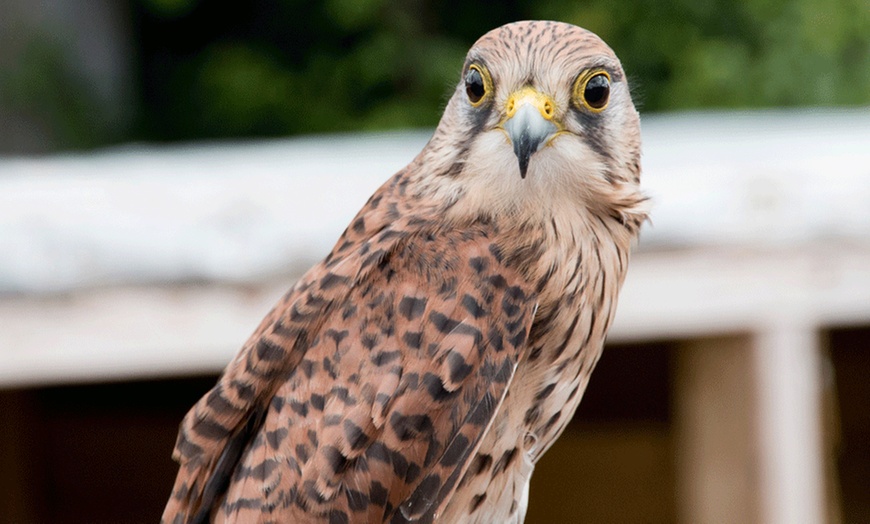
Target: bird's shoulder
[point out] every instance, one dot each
(371, 382)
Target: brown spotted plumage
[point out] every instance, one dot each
(419, 372)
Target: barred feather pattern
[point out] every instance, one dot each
(419, 372)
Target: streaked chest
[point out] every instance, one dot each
(580, 273)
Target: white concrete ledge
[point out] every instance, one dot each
(215, 212)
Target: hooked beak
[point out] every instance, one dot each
(529, 123)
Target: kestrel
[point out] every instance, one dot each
(421, 369)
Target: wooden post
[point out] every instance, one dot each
(714, 428)
(788, 373)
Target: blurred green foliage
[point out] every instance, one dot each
(734, 54)
(211, 69)
(55, 98)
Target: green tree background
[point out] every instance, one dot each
(263, 68)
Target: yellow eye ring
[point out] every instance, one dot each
(592, 90)
(478, 84)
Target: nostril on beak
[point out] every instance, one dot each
(548, 109)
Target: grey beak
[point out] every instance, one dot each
(528, 131)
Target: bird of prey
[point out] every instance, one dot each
(421, 369)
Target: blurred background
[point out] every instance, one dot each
(169, 167)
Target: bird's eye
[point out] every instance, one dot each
(597, 91)
(592, 91)
(475, 85)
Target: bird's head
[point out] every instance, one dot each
(541, 109)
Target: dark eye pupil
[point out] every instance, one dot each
(597, 91)
(474, 86)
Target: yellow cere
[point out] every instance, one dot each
(529, 95)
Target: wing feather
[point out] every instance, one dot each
(379, 375)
